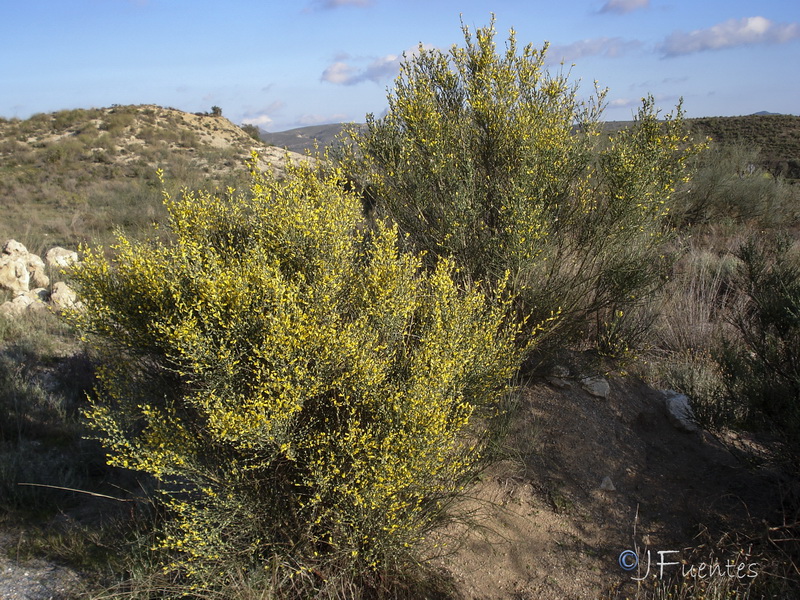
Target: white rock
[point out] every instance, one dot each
(607, 484)
(35, 267)
(37, 278)
(13, 248)
(596, 386)
(63, 296)
(17, 306)
(19, 269)
(14, 274)
(559, 383)
(59, 257)
(679, 411)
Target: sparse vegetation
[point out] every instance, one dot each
(760, 362)
(75, 175)
(731, 186)
(252, 130)
(774, 136)
(293, 393)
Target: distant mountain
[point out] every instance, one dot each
(303, 139)
(763, 113)
(776, 135)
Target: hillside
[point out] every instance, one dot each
(777, 136)
(302, 139)
(72, 175)
(591, 461)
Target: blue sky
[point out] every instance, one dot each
(304, 62)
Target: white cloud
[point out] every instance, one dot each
(331, 4)
(660, 100)
(340, 73)
(317, 119)
(260, 120)
(379, 69)
(623, 6)
(624, 102)
(608, 47)
(729, 34)
(261, 117)
(384, 67)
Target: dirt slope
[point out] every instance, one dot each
(542, 527)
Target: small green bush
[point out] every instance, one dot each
(298, 387)
(252, 130)
(67, 119)
(761, 364)
(729, 184)
(64, 152)
(118, 120)
(487, 158)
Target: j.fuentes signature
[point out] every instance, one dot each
(629, 560)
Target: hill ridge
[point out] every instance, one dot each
(72, 173)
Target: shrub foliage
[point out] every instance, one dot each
(487, 158)
(729, 186)
(761, 364)
(295, 385)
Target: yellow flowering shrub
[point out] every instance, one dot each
(487, 157)
(295, 383)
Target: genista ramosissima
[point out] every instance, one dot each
(489, 158)
(296, 385)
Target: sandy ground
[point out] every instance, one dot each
(33, 579)
(541, 526)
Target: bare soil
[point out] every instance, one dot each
(540, 526)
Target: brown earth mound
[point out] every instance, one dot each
(543, 526)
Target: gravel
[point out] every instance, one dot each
(34, 579)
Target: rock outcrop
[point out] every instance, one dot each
(14, 276)
(596, 386)
(679, 411)
(23, 274)
(20, 270)
(59, 257)
(63, 296)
